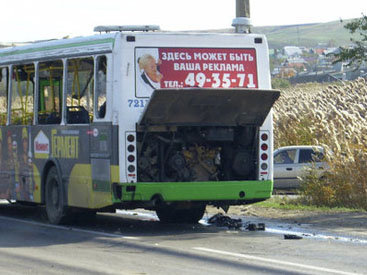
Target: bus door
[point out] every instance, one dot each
(102, 154)
(101, 157)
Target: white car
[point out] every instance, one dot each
(290, 163)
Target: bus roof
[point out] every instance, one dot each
(102, 43)
(88, 45)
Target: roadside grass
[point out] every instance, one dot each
(297, 204)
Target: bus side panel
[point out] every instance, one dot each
(16, 166)
(90, 179)
(65, 146)
(83, 153)
(103, 164)
(26, 151)
(86, 164)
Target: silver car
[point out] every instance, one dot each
(290, 163)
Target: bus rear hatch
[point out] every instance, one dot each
(208, 107)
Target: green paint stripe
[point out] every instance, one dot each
(205, 191)
(41, 155)
(63, 46)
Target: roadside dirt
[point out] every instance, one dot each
(341, 223)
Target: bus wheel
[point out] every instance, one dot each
(177, 213)
(55, 205)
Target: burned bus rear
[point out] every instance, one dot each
(198, 129)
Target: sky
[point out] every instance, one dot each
(31, 20)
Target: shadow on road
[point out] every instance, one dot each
(25, 226)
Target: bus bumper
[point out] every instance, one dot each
(193, 191)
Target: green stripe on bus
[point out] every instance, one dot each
(41, 155)
(199, 191)
(63, 46)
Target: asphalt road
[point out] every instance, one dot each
(138, 244)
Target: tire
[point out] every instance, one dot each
(178, 213)
(56, 208)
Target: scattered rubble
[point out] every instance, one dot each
(256, 227)
(292, 237)
(225, 221)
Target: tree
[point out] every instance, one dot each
(356, 54)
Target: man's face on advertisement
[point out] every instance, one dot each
(150, 69)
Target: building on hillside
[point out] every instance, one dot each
(297, 63)
(283, 72)
(330, 51)
(292, 51)
(319, 51)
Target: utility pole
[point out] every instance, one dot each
(243, 8)
(242, 21)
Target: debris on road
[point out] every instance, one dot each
(292, 237)
(225, 221)
(254, 227)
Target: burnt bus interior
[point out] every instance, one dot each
(79, 91)
(201, 134)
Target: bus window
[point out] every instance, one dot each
(22, 94)
(50, 98)
(4, 72)
(101, 86)
(80, 95)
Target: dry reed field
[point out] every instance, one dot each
(333, 116)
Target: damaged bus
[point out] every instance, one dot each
(137, 118)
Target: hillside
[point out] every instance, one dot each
(308, 35)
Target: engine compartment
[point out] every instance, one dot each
(198, 154)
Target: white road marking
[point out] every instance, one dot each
(104, 234)
(304, 233)
(272, 261)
